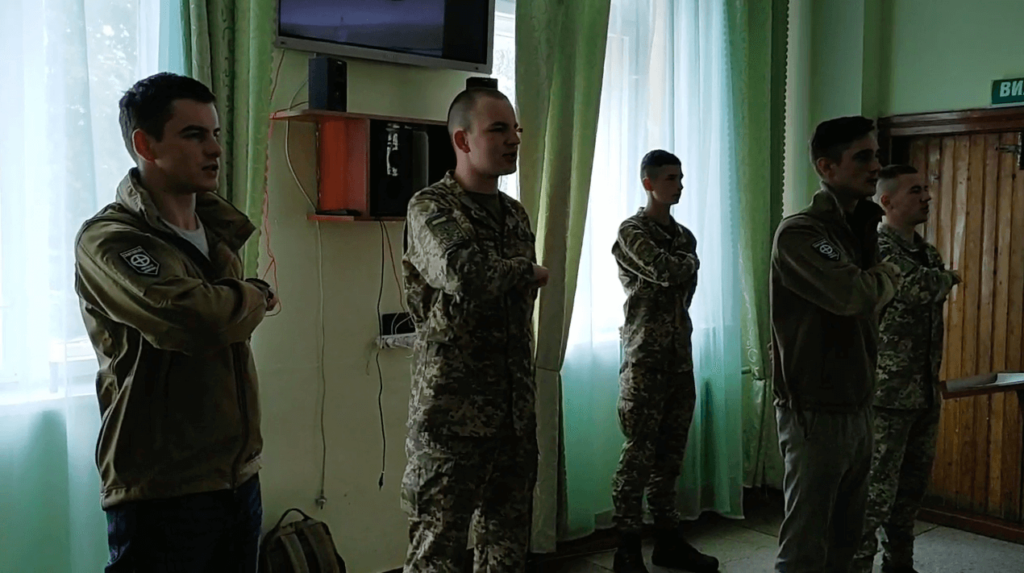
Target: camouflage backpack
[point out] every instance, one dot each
(303, 546)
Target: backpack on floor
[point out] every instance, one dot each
(303, 546)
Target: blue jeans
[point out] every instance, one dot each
(198, 533)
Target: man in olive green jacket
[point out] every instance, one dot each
(161, 290)
(827, 288)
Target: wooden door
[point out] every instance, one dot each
(977, 223)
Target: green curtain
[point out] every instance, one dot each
(560, 49)
(228, 47)
(757, 39)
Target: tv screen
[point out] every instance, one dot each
(437, 33)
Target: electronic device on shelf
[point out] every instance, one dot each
(455, 34)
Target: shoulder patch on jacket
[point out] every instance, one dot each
(826, 249)
(446, 230)
(141, 262)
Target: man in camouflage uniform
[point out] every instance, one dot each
(910, 353)
(471, 281)
(657, 260)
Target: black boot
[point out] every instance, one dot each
(673, 552)
(629, 557)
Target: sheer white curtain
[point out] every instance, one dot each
(666, 85)
(505, 69)
(65, 64)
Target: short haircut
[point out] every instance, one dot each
(651, 164)
(147, 104)
(833, 137)
(894, 171)
(461, 111)
(889, 174)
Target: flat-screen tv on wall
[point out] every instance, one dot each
(456, 34)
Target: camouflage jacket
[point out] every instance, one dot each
(469, 287)
(658, 270)
(911, 328)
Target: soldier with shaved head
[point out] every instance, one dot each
(471, 281)
(906, 401)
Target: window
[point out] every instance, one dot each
(505, 69)
(65, 66)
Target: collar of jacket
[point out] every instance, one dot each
(896, 237)
(825, 205)
(218, 215)
(463, 197)
(655, 226)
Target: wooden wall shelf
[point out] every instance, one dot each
(325, 116)
(352, 159)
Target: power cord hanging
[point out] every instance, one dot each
(380, 375)
(321, 499)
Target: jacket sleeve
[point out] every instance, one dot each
(636, 251)
(809, 265)
(921, 284)
(443, 251)
(691, 243)
(139, 280)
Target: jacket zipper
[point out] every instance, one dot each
(206, 264)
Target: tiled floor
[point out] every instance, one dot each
(749, 546)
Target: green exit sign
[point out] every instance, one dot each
(1008, 91)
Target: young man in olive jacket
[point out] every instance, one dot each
(827, 287)
(160, 284)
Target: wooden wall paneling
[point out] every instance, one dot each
(985, 155)
(1013, 433)
(1000, 325)
(969, 193)
(958, 161)
(945, 474)
(977, 223)
(991, 120)
(935, 236)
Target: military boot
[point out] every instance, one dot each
(629, 557)
(672, 551)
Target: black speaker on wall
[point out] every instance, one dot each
(481, 82)
(328, 84)
(399, 166)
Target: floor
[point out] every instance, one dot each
(749, 546)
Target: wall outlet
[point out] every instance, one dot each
(396, 323)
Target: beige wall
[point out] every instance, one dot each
(368, 524)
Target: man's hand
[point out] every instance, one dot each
(956, 277)
(272, 300)
(540, 276)
(892, 270)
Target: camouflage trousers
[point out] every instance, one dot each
(454, 484)
(900, 470)
(655, 412)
